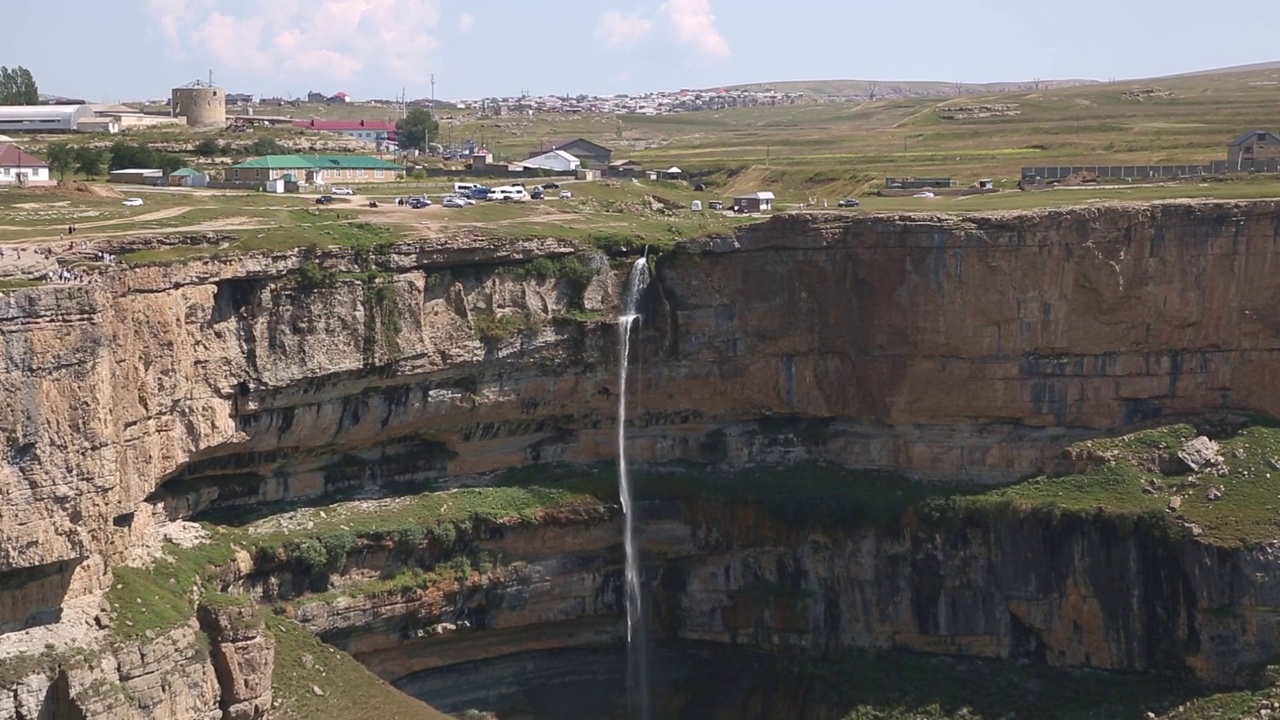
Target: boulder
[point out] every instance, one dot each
(1200, 452)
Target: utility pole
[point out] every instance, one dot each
(433, 92)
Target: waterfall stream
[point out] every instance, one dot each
(637, 658)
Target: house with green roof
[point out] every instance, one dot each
(317, 169)
(186, 177)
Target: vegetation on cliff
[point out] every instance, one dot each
(1232, 502)
(313, 680)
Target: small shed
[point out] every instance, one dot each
(186, 177)
(755, 202)
(986, 184)
(625, 168)
(137, 176)
(673, 173)
(587, 174)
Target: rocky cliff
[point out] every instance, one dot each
(950, 348)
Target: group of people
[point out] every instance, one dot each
(67, 275)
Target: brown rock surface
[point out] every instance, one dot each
(243, 655)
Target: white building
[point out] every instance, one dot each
(19, 168)
(555, 160)
(43, 118)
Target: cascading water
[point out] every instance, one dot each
(637, 659)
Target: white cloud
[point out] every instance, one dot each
(618, 30)
(320, 42)
(695, 25)
(466, 22)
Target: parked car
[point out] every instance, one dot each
(537, 193)
(848, 203)
(550, 186)
(342, 191)
(132, 202)
(419, 203)
(565, 195)
(739, 210)
(324, 199)
(453, 202)
(715, 205)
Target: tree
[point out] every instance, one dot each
(18, 87)
(125, 154)
(89, 161)
(266, 146)
(61, 158)
(169, 162)
(207, 147)
(416, 129)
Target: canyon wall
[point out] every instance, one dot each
(951, 348)
(1072, 590)
(973, 348)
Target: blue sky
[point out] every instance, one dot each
(132, 49)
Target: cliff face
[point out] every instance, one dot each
(1099, 592)
(971, 348)
(941, 347)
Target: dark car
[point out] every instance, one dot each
(324, 199)
(848, 203)
(551, 186)
(739, 210)
(418, 203)
(537, 194)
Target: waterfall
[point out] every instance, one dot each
(637, 659)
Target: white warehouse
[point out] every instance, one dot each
(556, 160)
(43, 118)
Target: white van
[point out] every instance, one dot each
(508, 192)
(463, 188)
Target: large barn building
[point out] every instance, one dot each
(42, 118)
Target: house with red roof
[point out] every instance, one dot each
(381, 133)
(19, 168)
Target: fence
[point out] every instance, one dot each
(1136, 172)
(1119, 171)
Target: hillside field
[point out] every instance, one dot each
(831, 150)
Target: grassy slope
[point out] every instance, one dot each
(838, 149)
(1248, 512)
(350, 691)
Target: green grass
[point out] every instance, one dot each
(10, 284)
(350, 691)
(1131, 485)
(853, 146)
(163, 596)
(492, 328)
